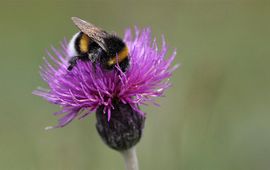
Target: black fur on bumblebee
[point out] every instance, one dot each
(123, 130)
(96, 45)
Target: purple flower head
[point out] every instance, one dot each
(88, 88)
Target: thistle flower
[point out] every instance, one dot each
(115, 96)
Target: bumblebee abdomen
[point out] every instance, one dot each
(82, 43)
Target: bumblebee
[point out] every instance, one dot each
(96, 45)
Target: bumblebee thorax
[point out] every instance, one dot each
(114, 45)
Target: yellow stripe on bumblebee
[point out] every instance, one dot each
(120, 57)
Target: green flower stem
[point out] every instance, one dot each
(130, 158)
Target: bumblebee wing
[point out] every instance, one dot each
(96, 34)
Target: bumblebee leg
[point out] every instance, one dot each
(93, 57)
(72, 62)
(84, 57)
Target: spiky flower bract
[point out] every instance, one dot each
(89, 87)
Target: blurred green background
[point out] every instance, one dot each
(215, 117)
